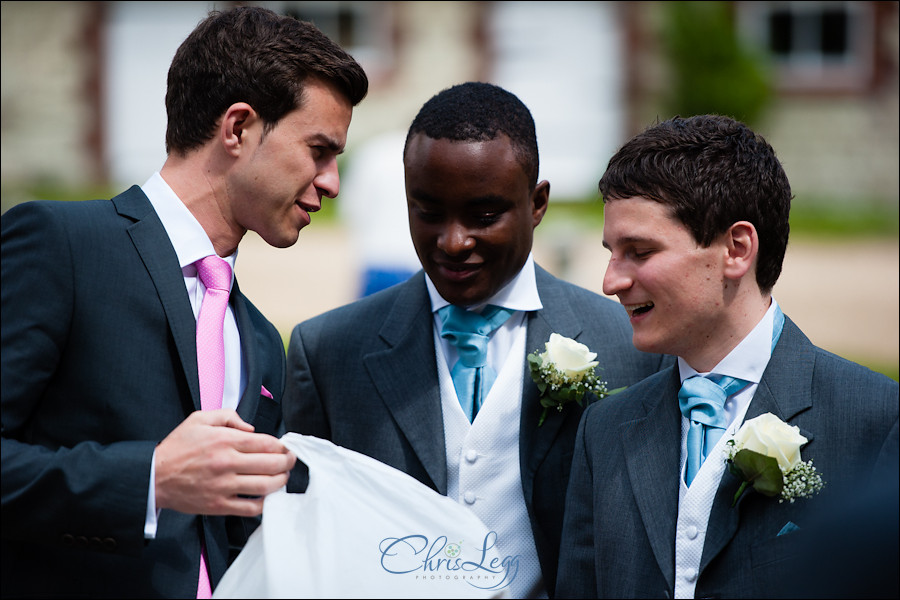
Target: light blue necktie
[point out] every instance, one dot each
(702, 402)
(469, 332)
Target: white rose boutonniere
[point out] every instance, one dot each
(765, 453)
(564, 372)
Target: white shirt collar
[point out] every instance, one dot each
(519, 294)
(186, 234)
(749, 358)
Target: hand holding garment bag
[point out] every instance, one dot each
(365, 530)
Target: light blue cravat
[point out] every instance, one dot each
(702, 402)
(469, 332)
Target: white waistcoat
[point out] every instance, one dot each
(483, 464)
(694, 505)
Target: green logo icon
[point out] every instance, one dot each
(452, 550)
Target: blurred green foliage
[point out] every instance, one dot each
(810, 217)
(891, 370)
(713, 71)
(855, 218)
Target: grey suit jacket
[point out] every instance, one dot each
(100, 364)
(619, 532)
(365, 377)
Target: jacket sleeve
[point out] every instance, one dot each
(56, 491)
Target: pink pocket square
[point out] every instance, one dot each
(264, 392)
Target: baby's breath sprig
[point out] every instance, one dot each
(564, 373)
(767, 477)
(803, 481)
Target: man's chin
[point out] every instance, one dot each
(281, 240)
(460, 294)
(645, 343)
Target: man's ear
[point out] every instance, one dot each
(238, 118)
(540, 199)
(742, 244)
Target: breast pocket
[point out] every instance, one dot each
(268, 416)
(777, 564)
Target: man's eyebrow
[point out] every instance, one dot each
(629, 239)
(487, 200)
(321, 139)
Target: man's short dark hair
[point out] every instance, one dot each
(712, 171)
(253, 55)
(476, 111)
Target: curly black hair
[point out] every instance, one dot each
(477, 111)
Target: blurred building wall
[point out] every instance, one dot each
(50, 122)
(140, 40)
(834, 121)
(83, 85)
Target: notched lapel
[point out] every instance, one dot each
(249, 403)
(724, 518)
(652, 447)
(557, 316)
(405, 376)
(155, 249)
(535, 442)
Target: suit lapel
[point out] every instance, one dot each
(557, 316)
(652, 448)
(155, 249)
(784, 391)
(250, 398)
(405, 375)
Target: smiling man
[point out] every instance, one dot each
(115, 482)
(383, 376)
(696, 222)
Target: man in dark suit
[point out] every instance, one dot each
(696, 222)
(114, 484)
(375, 376)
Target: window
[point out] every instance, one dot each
(815, 46)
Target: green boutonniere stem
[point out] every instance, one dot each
(559, 408)
(740, 492)
(758, 470)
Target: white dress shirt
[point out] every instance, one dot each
(192, 244)
(747, 361)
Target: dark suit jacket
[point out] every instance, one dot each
(365, 377)
(99, 365)
(623, 495)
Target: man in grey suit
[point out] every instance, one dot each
(375, 376)
(114, 482)
(697, 225)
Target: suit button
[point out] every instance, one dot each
(691, 532)
(470, 497)
(68, 539)
(109, 544)
(471, 456)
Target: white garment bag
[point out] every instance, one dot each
(365, 530)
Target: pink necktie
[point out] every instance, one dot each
(215, 274)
